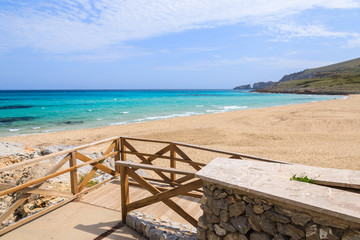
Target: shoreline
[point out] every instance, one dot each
(145, 121)
(323, 133)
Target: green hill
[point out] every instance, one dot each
(339, 78)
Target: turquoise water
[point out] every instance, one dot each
(32, 112)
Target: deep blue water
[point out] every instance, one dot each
(31, 112)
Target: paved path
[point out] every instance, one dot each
(75, 220)
(96, 213)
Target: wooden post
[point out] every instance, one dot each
(124, 183)
(73, 174)
(117, 156)
(172, 161)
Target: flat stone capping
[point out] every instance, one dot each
(272, 180)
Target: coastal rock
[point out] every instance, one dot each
(243, 87)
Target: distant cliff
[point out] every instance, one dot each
(297, 75)
(255, 86)
(260, 85)
(340, 78)
(243, 87)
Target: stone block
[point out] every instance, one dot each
(254, 222)
(237, 209)
(219, 230)
(220, 204)
(228, 227)
(259, 236)
(224, 216)
(212, 236)
(241, 224)
(277, 217)
(351, 235)
(258, 209)
(300, 218)
(312, 232)
(268, 226)
(290, 230)
(235, 236)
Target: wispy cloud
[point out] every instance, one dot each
(75, 26)
(265, 62)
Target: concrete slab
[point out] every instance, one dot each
(272, 180)
(75, 220)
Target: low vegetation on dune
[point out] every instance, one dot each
(331, 82)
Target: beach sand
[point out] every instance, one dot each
(325, 134)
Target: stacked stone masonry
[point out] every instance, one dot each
(159, 229)
(234, 215)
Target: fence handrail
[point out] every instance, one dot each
(52, 155)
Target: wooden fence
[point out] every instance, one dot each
(119, 148)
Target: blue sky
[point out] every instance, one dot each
(138, 44)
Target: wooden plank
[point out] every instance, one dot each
(159, 153)
(34, 190)
(156, 168)
(42, 179)
(124, 183)
(165, 195)
(228, 153)
(52, 155)
(73, 174)
(149, 155)
(186, 157)
(144, 160)
(184, 179)
(168, 202)
(97, 165)
(172, 162)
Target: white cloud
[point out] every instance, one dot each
(264, 62)
(73, 26)
(354, 43)
(286, 31)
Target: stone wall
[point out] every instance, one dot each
(159, 229)
(232, 214)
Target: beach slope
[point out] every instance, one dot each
(323, 134)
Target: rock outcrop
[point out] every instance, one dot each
(243, 87)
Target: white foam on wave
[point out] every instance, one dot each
(14, 129)
(234, 107)
(90, 110)
(118, 123)
(199, 106)
(214, 111)
(167, 116)
(35, 128)
(99, 119)
(124, 112)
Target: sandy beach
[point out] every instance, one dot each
(323, 134)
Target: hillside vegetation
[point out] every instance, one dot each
(340, 78)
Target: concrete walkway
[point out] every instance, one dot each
(75, 220)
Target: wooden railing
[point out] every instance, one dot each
(33, 186)
(174, 152)
(177, 181)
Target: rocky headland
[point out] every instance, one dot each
(337, 79)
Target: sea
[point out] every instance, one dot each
(43, 111)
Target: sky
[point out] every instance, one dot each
(164, 44)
